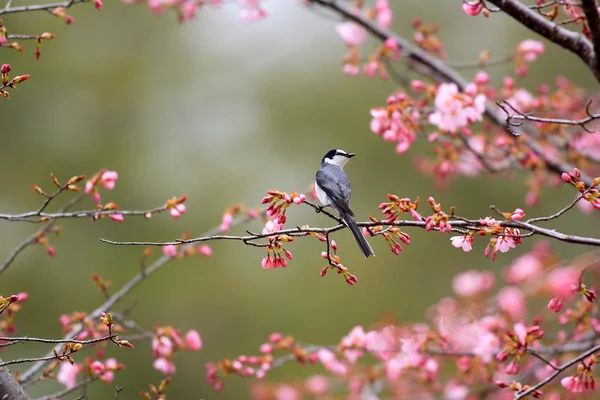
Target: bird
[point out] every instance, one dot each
(333, 189)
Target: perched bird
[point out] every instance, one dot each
(333, 189)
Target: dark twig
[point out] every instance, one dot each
(558, 371)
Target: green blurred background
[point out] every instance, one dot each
(222, 111)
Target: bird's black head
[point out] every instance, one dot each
(337, 156)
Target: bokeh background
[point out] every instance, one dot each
(222, 111)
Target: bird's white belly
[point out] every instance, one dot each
(322, 196)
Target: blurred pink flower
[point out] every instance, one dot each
(67, 374)
(164, 365)
(193, 340)
(472, 282)
(351, 33)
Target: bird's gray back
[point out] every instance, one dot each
(335, 183)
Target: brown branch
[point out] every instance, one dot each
(569, 40)
(27, 217)
(519, 116)
(9, 387)
(590, 9)
(427, 65)
(32, 239)
(8, 9)
(15, 340)
(458, 225)
(557, 372)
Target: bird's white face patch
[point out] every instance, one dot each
(340, 158)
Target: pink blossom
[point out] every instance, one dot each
(351, 69)
(317, 385)
(473, 8)
(116, 217)
(455, 391)
(193, 340)
(205, 250)
(331, 363)
(67, 374)
(177, 210)
(504, 244)
(511, 300)
(271, 227)
(472, 282)
(286, 392)
(455, 110)
(252, 10)
(521, 331)
(351, 33)
(170, 250)
(530, 49)
(556, 304)
(562, 281)
(464, 242)
(164, 365)
(97, 367)
(162, 346)
(356, 338)
(109, 179)
(98, 4)
(383, 13)
(22, 297)
(64, 320)
(572, 383)
(523, 268)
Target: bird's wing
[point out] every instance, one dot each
(338, 190)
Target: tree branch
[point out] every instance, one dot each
(590, 9)
(569, 40)
(557, 372)
(40, 7)
(9, 387)
(114, 298)
(427, 65)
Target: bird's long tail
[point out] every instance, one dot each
(360, 239)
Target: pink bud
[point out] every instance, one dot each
(334, 245)
(275, 337)
(5, 69)
(116, 217)
(23, 296)
(205, 250)
(170, 250)
(565, 177)
(324, 254)
(51, 251)
(98, 4)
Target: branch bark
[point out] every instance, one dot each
(9, 387)
(590, 9)
(568, 40)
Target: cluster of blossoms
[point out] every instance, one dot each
(488, 337)
(6, 81)
(503, 238)
(104, 370)
(252, 10)
(166, 341)
(278, 203)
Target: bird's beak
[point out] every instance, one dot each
(350, 155)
